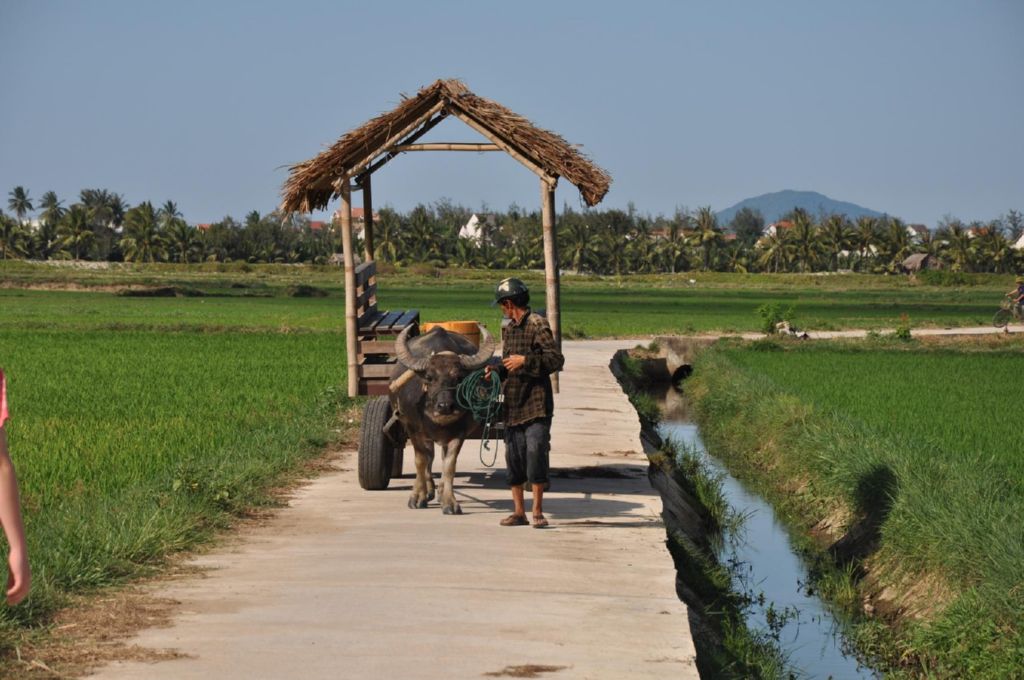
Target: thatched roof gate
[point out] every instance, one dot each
(348, 165)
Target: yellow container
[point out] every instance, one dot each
(470, 329)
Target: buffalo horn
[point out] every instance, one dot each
(472, 363)
(404, 356)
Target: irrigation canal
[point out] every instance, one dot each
(766, 567)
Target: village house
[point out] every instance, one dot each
(358, 220)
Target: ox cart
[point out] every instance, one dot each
(383, 435)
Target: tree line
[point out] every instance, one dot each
(102, 226)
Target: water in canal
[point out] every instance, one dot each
(766, 563)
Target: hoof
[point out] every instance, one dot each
(430, 495)
(417, 504)
(452, 509)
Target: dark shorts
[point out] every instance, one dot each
(526, 452)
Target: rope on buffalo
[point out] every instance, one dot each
(482, 398)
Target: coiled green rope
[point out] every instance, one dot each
(482, 398)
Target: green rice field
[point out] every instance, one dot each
(132, 445)
(923, 444)
(142, 425)
(257, 298)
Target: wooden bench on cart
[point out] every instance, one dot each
(377, 330)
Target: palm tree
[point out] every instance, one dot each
(423, 235)
(611, 253)
(143, 241)
(837, 237)
(106, 214)
(581, 247)
(807, 246)
(993, 252)
(75, 230)
(672, 249)
(183, 239)
(13, 237)
(386, 236)
(465, 254)
(19, 202)
(168, 213)
(97, 204)
(865, 237)
(706, 235)
(957, 241)
(641, 253)
(896, 243)
(776, 251)
(736, 258)
(117, 208)
(52, 210)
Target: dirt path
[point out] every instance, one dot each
(346, 583)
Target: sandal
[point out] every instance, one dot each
(539, 522)
(515, 521)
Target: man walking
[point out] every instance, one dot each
(529, 356)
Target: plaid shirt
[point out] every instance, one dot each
(528, 391)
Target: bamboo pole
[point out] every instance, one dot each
(505, 146)
(350, 290)
(551, 278)
(368, 248)
(383, 160)
(448, 146)
(394, 138)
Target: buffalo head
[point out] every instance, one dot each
(441, 360)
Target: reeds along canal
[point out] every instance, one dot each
(736, 557)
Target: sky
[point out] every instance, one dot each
(910, 108)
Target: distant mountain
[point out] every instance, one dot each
(773, 206)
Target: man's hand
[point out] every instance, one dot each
(513, 362)
(487, 372)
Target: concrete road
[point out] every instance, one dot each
(346, 583)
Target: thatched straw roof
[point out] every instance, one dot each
(313, 183)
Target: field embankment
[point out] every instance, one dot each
(900, 464)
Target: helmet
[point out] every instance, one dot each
(509, 288)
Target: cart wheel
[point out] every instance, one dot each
(376, 451)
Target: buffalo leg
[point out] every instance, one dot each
(431, 487)
(449, 505)
(423, 487)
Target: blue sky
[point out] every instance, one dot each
(912, 108)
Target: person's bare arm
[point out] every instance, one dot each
(20, 576)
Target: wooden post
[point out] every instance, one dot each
(367, 221)
(551, 279)
(351, 322)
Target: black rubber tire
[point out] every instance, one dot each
(1002, 318)
(375, 450)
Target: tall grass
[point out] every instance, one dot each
(131, 445)
(921, 449)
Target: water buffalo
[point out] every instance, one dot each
(424, 384)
